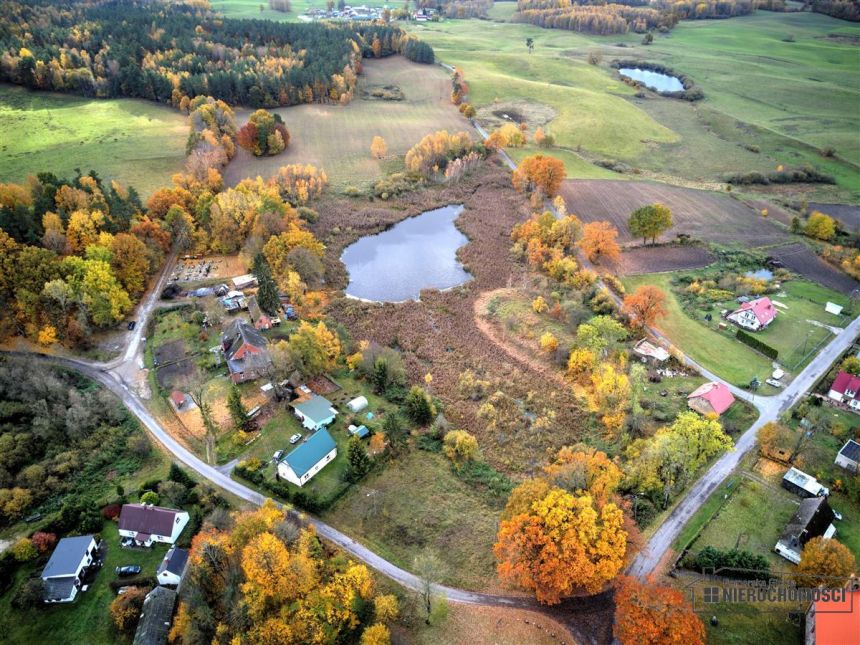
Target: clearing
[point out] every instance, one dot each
(337, 138)
(136, 142)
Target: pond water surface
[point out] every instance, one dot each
(761, 274)
(653, 80)
(418, 253)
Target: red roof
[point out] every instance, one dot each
(144, 519)
(762, 308)
(717, 394)
(177, 397)
(837, 622)
(845, 382)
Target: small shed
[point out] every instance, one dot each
(357, 404)
(849, 457)
(361, 431)
(178, 399)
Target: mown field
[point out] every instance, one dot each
(768, 101)
(251, 8)
(138, 143)
(337, 138)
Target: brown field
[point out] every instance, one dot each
(658, 259)
(801, 259)
(847, 214)
(220, 267)
(337, 138)
(707, 216)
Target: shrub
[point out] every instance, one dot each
(23, 550)
(709, 559)
(756, 344)
(111, 511)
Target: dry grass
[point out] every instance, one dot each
(658, 259)
(337, 138)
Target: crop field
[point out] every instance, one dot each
(794, 93)
(657, 259)
(138, 143)
(801, 259)
(337, 138)
(708, 216)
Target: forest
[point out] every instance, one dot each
(842, 9)
(193, 52)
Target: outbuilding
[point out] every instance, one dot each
(849, 457)
(172, 568)
(315, 412)
(799, 483)
(357, 404)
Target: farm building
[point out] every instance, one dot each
(315, 412)
(155, 617)
(62, 575)
(261, 321)
(246, 352)
(814, 518)
(357, 404)
(244, 281)
(836, 620)
(846, 389)
(849, 457)
(147, 524)
(650, 351)
(234, 301)
(308, 459)
(172, 568)
(177, 398)
(710, 398)
(754, 315)
(799, 483)
(361, 431)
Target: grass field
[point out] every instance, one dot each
(251, 8)
(337, 138)
(138, 143)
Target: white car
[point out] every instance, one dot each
(277, 456)
(295, 438)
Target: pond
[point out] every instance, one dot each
(418, 253)
(653, 80)
(761, 274)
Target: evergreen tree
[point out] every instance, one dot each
(419, 407)
(267, 293)
(237, 409)
(395, 432)
(358, 461)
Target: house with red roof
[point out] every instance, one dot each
(754, 314)
(846, 389)
(146, 524)
(710, 398)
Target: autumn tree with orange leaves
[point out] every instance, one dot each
(646, 614)
(645, 305)
(599, 241)
(539, 173)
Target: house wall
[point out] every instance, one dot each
(848, 464)
(168, 578)
(787, 552)
(700, 405)
(285, 472)
(745, 319)
(836, 396)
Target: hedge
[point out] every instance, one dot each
(756, 344)
(298, 498)
(712, 560)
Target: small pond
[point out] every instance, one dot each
(761, 274)
(653, 80)
(418, 253)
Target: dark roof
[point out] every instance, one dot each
(155, 617)
(254, 309)
(58, 588)
(237, 334)
(174, 561)
(309, 454)
(851, 450)
(147, 520)
(811, 520)
(67, 557)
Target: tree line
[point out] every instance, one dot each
(193, 52)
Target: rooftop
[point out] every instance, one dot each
(67, 556)
(146, 520)
(812, 518)
(851, 450)
(838, 621)
(155, 617)
(800, 478)
(717, 394)
(308, 455)
(174, 561)
(317, 408)
(845, 382)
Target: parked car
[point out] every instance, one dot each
(128, 570)
(295, 438)
(132, 325)
(277, 456)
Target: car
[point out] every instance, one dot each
(132, 325)
(128, 570)
(277, 456)
(837, 515)
(295, 438)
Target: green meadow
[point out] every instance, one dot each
(138, 143)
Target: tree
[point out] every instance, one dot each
(645, 305)
(44, 542)
(419, 406)
(378, 147)
(820, 226)
(825, 562)
(264, 134)
(23, 550)
(650, 615)
(130, 262)
(29, 594)
(377, 634)
(600, 334)
(125, 609)
(650, 221)
(315, 348)
(460, 447)
(539, 173)
(530, 43)
(582, 469)
(851, 365)
(267, 293)
(539, 305)
(561, 544)
(599, 240)
(395, 433)
(431, 571)
(149, 497)
(548, 342)
(385, 608)
(237, 409)
(358, 461)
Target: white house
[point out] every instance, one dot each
(849, 457)
(357, 404)
(299, 466)
(172, 568)
(61, 577)
(147, 524)
(846, 389)
(754, 315)
(799, 483)
(315, 413)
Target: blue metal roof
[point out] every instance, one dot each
(309, 454)
(318, 409)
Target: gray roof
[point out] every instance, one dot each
(811, 520)
(67, 557)
(851, 450)
(58, 588)
(317, 408)
(238, 333)
(174, 561)
(155, 617)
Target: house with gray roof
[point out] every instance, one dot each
(299, 466)
(315, 412)
(813, 518)
(849, 457)
(172, 568)
(155, 617)
(62, 576)
(246, 351)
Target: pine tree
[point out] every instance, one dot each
(395, 432)
(237, 409)
(358, 460)
(267, 293)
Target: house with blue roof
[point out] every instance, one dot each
(299, 466)
(315, 413)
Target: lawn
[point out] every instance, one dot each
(252, 8)
(138, 143)
(86, 620)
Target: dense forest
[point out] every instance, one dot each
(843, 9)
(111, 48)
(593, 16)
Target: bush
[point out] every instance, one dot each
(111, 511)
(29, 594)
(710, 560)
(756, 344)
